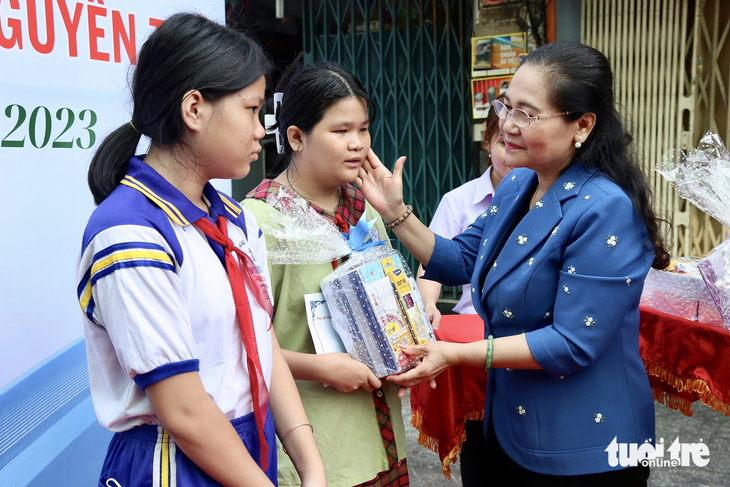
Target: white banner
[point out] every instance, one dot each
(64, 85)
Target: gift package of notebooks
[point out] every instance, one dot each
(372, 297)
(375, 307)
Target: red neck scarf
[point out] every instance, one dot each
(240, 275)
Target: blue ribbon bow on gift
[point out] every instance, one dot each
(359, 237)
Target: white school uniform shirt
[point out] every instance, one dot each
(457, 210)
(157, 300)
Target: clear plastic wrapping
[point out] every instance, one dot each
(376, 307)
(672, 293)
(715, 270)
(702, 176)
(302, 236)
(707, 312)
(681, 292)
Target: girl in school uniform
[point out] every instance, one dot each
(173, 278)
(323, 121)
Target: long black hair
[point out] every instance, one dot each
(187, 52)
(308, 91)
(581, 81)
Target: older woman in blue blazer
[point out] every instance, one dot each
(556, 267)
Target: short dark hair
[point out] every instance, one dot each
(308, 91)
(581, 81)
(187, 52)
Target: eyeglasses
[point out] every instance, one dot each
(522, 118)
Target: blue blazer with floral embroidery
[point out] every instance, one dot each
(570, 277)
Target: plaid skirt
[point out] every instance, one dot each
(397, 474)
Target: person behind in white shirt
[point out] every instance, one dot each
(459, 208)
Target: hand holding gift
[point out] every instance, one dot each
(435, 358)
(377, 310)
(348, 375)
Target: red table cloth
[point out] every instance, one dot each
(686, 361)
(439, 414)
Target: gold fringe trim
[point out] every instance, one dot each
(433, 444)
(672, 402)
(697, 386)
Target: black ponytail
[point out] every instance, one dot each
(187, 52)
(111, 160)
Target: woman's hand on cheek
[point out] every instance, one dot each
(382, 189)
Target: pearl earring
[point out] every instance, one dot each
(577, 145)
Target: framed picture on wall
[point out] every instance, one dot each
(484, 91)
(494, 56)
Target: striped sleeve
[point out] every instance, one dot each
(118, 256)
(129, 287)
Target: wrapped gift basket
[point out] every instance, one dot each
(697, 289)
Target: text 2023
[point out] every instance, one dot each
(40, 118)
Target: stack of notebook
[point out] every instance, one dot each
(376, 307)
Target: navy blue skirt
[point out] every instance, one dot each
(146, 456)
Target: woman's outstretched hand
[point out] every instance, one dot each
(436, 357)
(383, 189)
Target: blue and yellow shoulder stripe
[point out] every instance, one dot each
(170, 209)
(236, 212)
(120, 256)
(231, 207)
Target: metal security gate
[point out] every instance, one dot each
(671, 77)
(710, 24)
(413, 58)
